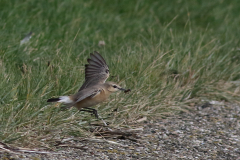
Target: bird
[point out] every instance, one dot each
(95, 89)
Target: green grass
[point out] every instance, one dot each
(171, 54)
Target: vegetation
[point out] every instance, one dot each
(171, 54)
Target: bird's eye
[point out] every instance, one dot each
(114, 86)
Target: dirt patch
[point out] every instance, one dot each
(207, 132)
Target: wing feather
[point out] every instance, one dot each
(85, 93)
(96, 71)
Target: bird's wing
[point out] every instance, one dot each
(96, 72)
(85, 93)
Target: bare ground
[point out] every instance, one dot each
(207, 132)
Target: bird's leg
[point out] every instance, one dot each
(91, 110)
(97, 116)
(86, 110)
(94, 111)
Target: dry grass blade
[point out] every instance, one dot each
(105, 132)
(17, 150)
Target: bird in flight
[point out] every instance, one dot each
(95, 89)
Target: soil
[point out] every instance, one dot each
(206, 132)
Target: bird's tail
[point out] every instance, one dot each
(53, 100)
(63, 99)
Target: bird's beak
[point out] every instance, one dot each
(122, 89)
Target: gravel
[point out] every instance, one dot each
(206, 132)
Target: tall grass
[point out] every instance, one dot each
(171, 54)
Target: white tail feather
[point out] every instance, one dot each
(65, 99)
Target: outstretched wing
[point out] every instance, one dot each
(96, 72)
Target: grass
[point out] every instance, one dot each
(171, 54)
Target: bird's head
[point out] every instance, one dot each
(113, 87)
